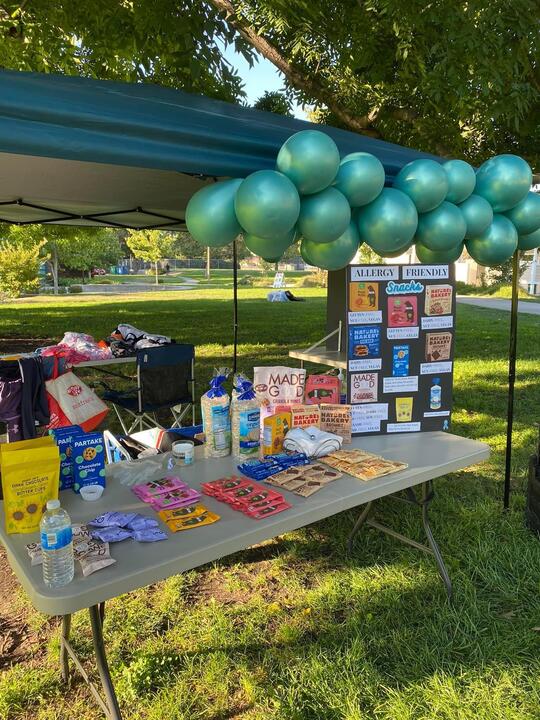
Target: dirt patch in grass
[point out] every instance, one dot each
(23, 345)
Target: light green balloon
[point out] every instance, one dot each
(267, 204)
(424, 181)
(310, 159)
(324, 216)
(503, 180)
(433, 257)
(478, 215)
(526, 214)
(495, 245)
(389, 222)
(442, 228)
(461, 180)
(269, 247)
(210, 216)
(530, 241)
(332, 255)
(360, 178)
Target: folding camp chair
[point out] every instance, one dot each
(165, 381)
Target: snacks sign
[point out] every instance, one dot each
(400, 342)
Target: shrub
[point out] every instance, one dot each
(19, 267)
(75, 289)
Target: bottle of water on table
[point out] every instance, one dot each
(56, 545)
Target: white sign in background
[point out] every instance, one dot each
(403, 427)
(404, 333)
(400, 384)
(374, 272)
(369, 317)
(367, 418)
(367, 364)
(437, 323)
(435, 368)
(425, 272)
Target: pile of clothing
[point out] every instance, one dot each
(127, 339)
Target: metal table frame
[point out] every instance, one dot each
(437, 453)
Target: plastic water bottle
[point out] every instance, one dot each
(435, 395)
(56, 545)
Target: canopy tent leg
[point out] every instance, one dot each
(511, 378)
(235, 305)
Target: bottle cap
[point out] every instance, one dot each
(436, 381)
(53, 504)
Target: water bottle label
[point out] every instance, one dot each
(56, 540)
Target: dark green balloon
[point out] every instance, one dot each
(530, 241)
(324, 216)
(495, 245)
(478, 215)
(267, 204)
(273, 259)
(360, 178)
(310, 158)
(269, 247)
(432, 257)
(461, 180)
(389, 222)
(442, 228)
(425, 182)
(526, 214)
(399, 251)
(503, 180)
(333, 255)
(210, 216)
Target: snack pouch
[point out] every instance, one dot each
(182, 513)
(216, 417)
(88, 461)
(154, 488)
(30, 476)
(206, 518)
(64, 438)
(174, 499)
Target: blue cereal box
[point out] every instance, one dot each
(88, 457)
(64, 438)
(400, 360)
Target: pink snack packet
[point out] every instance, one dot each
(175, 499)
(154, 488)
(260, 495)
(215, 487)
(261, 513)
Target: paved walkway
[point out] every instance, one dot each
(531, 308)
(136, 287)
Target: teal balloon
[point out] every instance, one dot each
(324, 216)
(530, 241)
(432, 257)
(210, 216)
(461, 180)
(399, 251)
(360, 178)
(495, 245)
(442, 228)
(503, 181)
(310, 158)
(273, 259)
(425, 182)
(267, 204)
(332, 255)
(389, 222)
(304, 252)
(478, 215)
(526, 214)
(269, 247)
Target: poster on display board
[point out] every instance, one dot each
(400, 347)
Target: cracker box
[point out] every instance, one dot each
(438, 300)
(275, 427)
(88, 456)
(65, 438)
(322, 389)
(305, 416)
(337, 419)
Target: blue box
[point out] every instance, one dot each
(88, 456)
(64, 438)
(400, 360)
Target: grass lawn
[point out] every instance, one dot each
(294, 629)
(218, 278)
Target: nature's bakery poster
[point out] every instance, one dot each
(400, 335)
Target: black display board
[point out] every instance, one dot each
(400, 347)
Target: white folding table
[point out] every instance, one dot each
(429, 456)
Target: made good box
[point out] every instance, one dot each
(88, 461)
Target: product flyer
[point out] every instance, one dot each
(400, 346)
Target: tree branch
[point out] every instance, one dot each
(297, 79)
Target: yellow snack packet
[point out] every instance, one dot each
(30, 477)
(46, 441)
(207, 518)
(182, 513)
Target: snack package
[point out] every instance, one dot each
(64, 438)
(337, 419)
(88, 460)
(275, 427)
(30, 476)
(215, 416)
(438, 299)
(192, 521)
(175, 499)
(322, 389)
(149, 490)
(277, 386)
(93, 556)
(305, 416)
(438, 346)
(183, 512)
(245, 419)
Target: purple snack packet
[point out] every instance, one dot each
(112, 519)
(141, 522)
(110, 534)
(149, 535)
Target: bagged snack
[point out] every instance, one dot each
(245, 419)
(322, 389)
(88, 460)
(275, 427)
(215, 416)
(30, 476)
(277, 386)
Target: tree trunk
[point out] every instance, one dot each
(207, 263)
(157, 276)
(54, 269)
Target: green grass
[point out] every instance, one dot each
(295, 629)
(218, 277)
(496, 290)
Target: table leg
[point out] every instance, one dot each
(96, 613)
(427, 497)
(359, 524)
(64, 657)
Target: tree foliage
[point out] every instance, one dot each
(274, 101)
(19, 266)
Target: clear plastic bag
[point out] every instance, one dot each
(245, 419)
(215, 410)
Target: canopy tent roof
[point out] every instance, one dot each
(80, 151)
